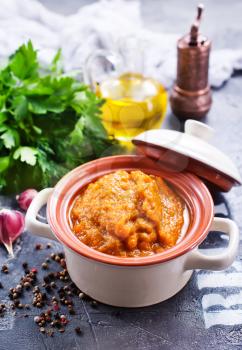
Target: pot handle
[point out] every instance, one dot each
(197, 260)
(32, 224)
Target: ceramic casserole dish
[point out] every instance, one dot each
(140, 281)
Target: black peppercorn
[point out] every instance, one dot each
(46, 279)
(5, 269)
(78, 330)
(72, 312)
(93, 304)
(45, 266)
(52, 284)
(25, 265)
(57, 258)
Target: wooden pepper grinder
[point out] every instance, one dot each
(191, 95)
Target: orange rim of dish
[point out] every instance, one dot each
(194, 192)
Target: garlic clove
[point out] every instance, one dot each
(25, 198)
(9, 247)
(11, 227)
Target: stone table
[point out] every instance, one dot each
(207, 313)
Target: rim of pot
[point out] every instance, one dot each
(193, 191)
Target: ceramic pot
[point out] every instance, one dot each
(141, 281)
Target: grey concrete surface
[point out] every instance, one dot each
(222, 18)
(178, 323)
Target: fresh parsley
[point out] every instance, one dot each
(49, 122)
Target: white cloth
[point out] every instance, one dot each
(99, 25)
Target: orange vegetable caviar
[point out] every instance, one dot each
(128, 214)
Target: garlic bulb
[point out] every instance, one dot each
(11, 227)
(25, 198)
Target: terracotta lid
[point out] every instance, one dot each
(190, 151)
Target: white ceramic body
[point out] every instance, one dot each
(135, 286)
(127, 286)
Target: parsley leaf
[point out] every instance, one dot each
(10, 138)
(20, 107)
(4, 163)
(26, 154)
(49, 122)
(24, 62)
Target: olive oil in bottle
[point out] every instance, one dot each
(133, 104)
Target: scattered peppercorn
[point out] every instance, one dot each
(27, 285)
(63, 262)
(42, 329)
(5, 269)
(72, 311)
(15, 295)
(94, 303)
(56, 307)
(36, 289)
(46, 279)
(19, 288)
(48, 288)
(51, 275)
(45, 266)
(52, 284)
(78, 330)
(25, 265)
(59, 293)
(63, 319)
(57, 258)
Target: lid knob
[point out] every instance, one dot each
(198, 129)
